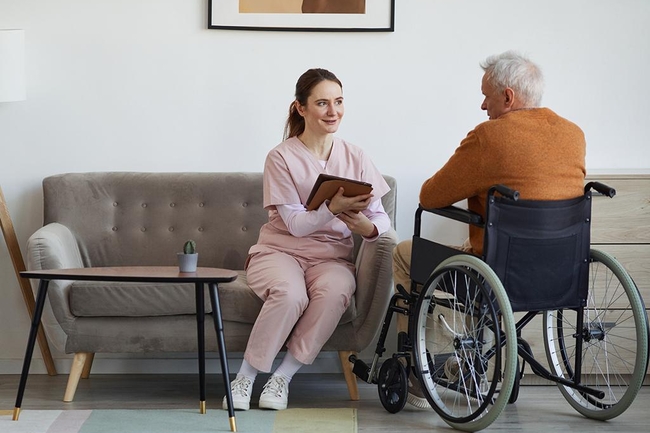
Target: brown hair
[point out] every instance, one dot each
(295, 122)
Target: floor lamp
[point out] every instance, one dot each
(12, 88)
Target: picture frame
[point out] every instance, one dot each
(288, 15)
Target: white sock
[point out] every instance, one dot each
(247, 371)
(288, 367)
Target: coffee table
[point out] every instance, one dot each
(148, 274)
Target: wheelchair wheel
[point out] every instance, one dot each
(614, 334)
(514, 394)
(465, 343)
(392, 384)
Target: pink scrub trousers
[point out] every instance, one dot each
(303, 302)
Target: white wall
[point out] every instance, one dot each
(143, 85)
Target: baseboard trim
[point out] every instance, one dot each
(327, 362)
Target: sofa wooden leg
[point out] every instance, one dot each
(350, 377)
(85, 373)
(75, 373)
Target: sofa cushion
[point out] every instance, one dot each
(111, 299)
(143, 219)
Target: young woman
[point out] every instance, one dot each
(301, 266)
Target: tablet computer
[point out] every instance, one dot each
(326, 186)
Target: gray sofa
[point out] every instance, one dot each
(124, 218)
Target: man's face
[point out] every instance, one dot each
(494, 102)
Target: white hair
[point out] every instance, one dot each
(511, 69)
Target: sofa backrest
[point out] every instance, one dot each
(126, 218)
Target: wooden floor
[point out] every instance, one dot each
(538, 409)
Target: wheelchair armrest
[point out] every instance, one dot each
(601, 188)
(458, 214)
(504, 191)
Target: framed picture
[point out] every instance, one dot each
(303, 15)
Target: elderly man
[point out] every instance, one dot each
(523, 146)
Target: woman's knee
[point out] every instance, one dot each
(334, 294)
(288, 295)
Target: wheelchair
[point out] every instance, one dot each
(465, 347)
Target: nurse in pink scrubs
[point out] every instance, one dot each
(301, 266)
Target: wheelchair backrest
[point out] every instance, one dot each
(540, 250)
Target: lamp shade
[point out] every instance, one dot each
(12, 65)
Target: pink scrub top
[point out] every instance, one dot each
(290, 171)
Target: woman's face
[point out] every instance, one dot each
(324, 108)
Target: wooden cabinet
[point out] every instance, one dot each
(621, 225)
(624, 219)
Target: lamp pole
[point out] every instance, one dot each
(12, 88)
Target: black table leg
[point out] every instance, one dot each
(218, 327)
(31, 341)
(200, 332)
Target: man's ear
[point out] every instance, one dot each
(509, 99)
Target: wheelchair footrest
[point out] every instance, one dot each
(361, 370)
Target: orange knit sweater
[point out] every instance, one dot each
(534, 151)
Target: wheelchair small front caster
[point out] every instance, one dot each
(393, 385)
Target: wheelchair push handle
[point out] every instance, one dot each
(504, 191)
(601, 188)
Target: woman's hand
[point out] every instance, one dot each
(358, 223)
(340, 203)
(348, 210)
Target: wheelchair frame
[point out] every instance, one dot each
(479, 372)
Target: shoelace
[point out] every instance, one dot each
(275, 386)
(240, 386)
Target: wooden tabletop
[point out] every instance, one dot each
(152, 274)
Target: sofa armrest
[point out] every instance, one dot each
(55, 247)
(374, 285)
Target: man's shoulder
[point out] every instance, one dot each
(559, 119)
(529, 116)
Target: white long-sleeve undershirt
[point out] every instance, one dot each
(301, 222)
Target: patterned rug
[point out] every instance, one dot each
(179, 421)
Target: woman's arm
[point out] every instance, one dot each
(378, 216)
(300, 222)
(369, 223)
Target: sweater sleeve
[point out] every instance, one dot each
(458, 179)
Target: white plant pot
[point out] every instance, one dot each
(187, 262)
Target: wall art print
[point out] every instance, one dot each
(303, 15)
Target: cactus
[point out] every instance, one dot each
(189, 247)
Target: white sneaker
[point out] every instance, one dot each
(275, 394)
(241, 389)
(452, 368)
(415, 395)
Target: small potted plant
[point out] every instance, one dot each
(188, 259)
